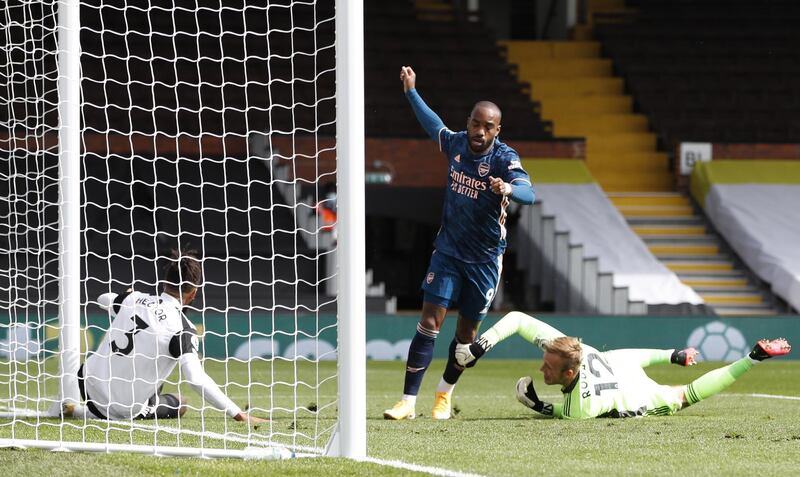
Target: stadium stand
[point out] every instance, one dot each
(724, 79)
(578, 269)
(580, 95)
(458, 64)
(716, 71)
(591, 9)
(684, 240)
(123, 87)
(133, 134)
(128, 76)
(763, 228)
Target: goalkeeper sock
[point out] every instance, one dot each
(420, 354)
(452, 371)
(715, 381)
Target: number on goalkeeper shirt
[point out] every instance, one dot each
(600, 371)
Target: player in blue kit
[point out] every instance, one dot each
(483, 176)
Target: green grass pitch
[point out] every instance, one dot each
(734, 433)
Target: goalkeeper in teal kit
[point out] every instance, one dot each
(611, 383)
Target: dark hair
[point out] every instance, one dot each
(183, 272)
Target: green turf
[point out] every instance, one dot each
(730, 434)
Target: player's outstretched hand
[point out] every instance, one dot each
(499, 186)
(526, 394)
(408, 77)
(246, 417)
(467, 355)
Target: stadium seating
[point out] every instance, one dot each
(763, 228)
(715, 71)
(685, 241)
(193, 73)
(457, 64)
(134, 80)
(293, 90)
(580, 95)
(572, 267)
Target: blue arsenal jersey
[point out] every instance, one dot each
(473, 217)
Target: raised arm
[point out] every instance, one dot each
(431, 123)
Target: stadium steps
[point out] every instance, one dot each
(682, 240)
(579, 94)
(435, 11)
(566, 68)
(594, 8)
(602, 123)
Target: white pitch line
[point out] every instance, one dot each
(418, 468)
(764, 396)
(254, 440)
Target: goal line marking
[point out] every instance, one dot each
(254, 440)
(418, 468)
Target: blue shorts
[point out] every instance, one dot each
(472, 286)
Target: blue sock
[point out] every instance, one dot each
(451, 372)
(420, 354)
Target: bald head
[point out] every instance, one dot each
(483, 126)
(490, 108)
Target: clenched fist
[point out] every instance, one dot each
(408, 77)
(499, 187)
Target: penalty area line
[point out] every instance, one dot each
(418, 468)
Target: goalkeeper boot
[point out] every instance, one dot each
(401, 410)
(441, 406)
(767, 349)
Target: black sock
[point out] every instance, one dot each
(420, 354)
(452, 371)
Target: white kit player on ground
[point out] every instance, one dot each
(148, 337)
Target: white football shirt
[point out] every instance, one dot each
(148, 337)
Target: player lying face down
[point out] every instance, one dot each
(609, 383)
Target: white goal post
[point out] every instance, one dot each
(131, 128)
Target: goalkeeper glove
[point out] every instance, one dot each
(468, 354)
(526, 394)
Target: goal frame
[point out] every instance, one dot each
(349, 436)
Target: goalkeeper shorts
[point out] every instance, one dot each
(663, 401)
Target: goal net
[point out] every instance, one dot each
(131, 128)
